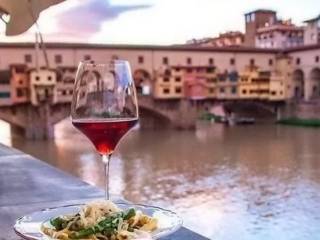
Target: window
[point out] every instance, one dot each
(211, 90)
(20, 82)
(211, 61)
(19, 92)
(252, 62)
(5, 81)
(58, 58)
(244, 91)
(270, 62)
(253, 16)
(165, 60)
(166, 90)
(49, 78)
(189, 60)
(234, 90)
(87, 57)
(273, 93)
(281, 93)
(233, 76)
(222, 90)
(248, 18)
(189, 70)
(232, 61)
(140, 59)
(166, 79)
(27, 58)
(298, 61)
(178, 89)
(5, 94)
(37, 78)
(316, 59)
(178, 79)
(211, 80)
(210, 70)
(167, 72)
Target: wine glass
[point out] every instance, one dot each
(104, 106)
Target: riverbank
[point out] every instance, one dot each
(300, 122)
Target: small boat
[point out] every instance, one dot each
(240, 121)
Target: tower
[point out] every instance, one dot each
(254, 20)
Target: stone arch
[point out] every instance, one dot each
(152, 119)
(256, 109)
(142, 80)
(298, 86)
(315, 82)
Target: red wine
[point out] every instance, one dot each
(105, 134)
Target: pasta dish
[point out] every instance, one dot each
(101, 220)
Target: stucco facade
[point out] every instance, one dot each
(149, 64)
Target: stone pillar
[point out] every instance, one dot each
(308, 84)
(16, 130)
(186, 116)
(39, 125)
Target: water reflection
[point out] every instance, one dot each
(257, 182)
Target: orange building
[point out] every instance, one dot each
(19, 83)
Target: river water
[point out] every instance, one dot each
(244, 182)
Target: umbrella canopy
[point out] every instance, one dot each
(23, 13)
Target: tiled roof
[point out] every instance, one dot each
(181, 47)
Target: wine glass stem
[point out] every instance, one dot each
(106, 162)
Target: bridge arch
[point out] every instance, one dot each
(315, 82)
(149, 118)
(298, 84)
(142, 80)
(257, 109)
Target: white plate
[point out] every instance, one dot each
(29, 226)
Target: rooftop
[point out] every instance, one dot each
(182, 47)
(262, 11)
(312, 19)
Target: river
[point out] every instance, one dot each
(243, 182)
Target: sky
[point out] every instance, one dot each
(159, 22)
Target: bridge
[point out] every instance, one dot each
(37, 122)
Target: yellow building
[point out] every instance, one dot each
(262, 85)
(277, 89)
(169, 83)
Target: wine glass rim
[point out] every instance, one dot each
(104, 63)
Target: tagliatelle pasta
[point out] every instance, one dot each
(101, 220)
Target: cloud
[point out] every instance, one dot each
(87, 18)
